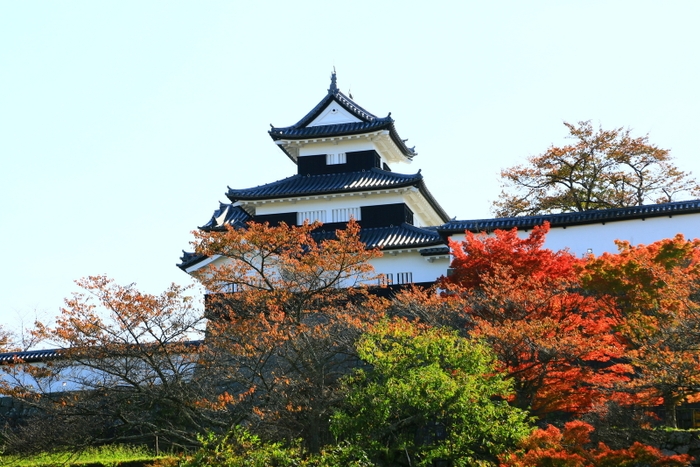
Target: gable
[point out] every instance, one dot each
(334, 114)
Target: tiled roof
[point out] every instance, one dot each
(438, 250)
(189, 258)
(304, 185)
(384, 238)
(573, 218)
(29, 356)
(369, 122)
(340, 129)
(393, 237)
(34, 356)
(227, 214)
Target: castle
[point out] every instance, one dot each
(346, 161)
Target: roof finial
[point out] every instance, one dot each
(334, 86)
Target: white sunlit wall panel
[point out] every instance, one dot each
(336, 158)
(311, 216)
(344, 214)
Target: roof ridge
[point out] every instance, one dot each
(593, 215)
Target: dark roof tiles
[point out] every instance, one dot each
(29, 356)
(340, 129)
(227, 214)
(34, 356)
(573, 218)
(385, 238)
(392, 237)
(305, 185)
(369, 122)
(189, 258)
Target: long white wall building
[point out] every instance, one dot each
(346, 158)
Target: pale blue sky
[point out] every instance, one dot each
(122, 123)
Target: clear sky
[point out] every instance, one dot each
(123, 122)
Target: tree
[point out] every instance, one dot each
(572, 448)
(655, 290)
(527, 303)
(282, 341)
(126, 371)
(239, 447)
(271, 355)
(428, 395)
(601, 169)
(7, 339)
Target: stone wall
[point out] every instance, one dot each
(680, 442)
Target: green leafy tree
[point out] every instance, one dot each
(601, 169)
(240, 448)
(428, 395)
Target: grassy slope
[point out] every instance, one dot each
(107, 456)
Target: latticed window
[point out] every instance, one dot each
(336, 158)
(311, 216)
(344, 214)
(404, 277)
(386, 279)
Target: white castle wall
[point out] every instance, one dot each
(600, 237)
(423, 269)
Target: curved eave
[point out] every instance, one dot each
(288, 138)
(315, 185)
(334, 95)
(189, 260)
(400, 237)
(38, 356)
(433, 202)
(367, 124)
(227, 214)
(339, 129)
(573, 218)
(404, 236)
(30, 356)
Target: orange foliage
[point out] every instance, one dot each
(526, 301)
(601, 169)
(655, 290)
(571, 448)
(286, 335)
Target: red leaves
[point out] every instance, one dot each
(576, 333)
(654, 289)
(479, 257)
(527, 302)
(571, 448)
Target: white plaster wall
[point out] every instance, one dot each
(339, 201)
(423, 270)
(333, 114)
(600, 237)
(65, 381)
(351, 144)
(325, 147)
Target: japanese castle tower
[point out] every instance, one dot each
(345, 159)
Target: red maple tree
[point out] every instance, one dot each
(526, 301)
(654, 288)
(572, 448)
